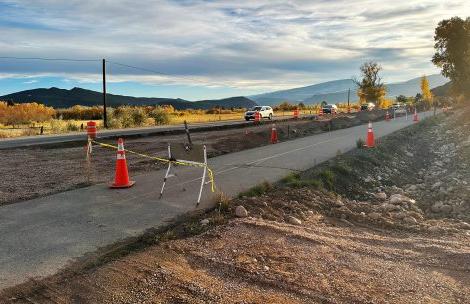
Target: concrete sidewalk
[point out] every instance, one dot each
(40, 236)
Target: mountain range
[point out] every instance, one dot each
(337, 91)
(62, 98)
(331, 91)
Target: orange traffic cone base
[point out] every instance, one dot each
(116, 186)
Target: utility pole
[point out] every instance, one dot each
(349, 92)
(105, 118)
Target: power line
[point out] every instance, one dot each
(165, 74)
(115, 63)
(49, 59)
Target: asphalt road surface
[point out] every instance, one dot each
(26, 141)
(40, 236)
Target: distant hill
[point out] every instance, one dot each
(337, 91)
(442, 90)
(62, 98)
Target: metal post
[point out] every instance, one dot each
(187, 132)
(105, 117)
(167, 174)
(203, 176)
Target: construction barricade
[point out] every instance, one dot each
(182, 155)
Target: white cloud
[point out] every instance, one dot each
(264, 44)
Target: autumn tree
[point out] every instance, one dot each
(24, 113)
(452, 45)
(370, 86)
(426, 93)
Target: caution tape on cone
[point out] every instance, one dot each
(163, 160)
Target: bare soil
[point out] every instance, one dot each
(324, 236)
(39, 171)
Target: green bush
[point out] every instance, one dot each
(127, 117)
(160, 116)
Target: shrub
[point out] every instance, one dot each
(72, 127)
(160, 116)
(360, 143)
(127, 117)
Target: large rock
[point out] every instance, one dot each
(400, 199)
(381, 196)
(240, 211)
(410, 220)
(294, 221)
(374, 215)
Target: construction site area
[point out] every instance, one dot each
(312, 218)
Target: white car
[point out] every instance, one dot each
(265, 111)
(330, 109)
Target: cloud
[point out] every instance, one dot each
(263, 44)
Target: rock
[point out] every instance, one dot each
(240, 211)
(266, 268)
(409, 154)
(204, 222)
(399, 215)
(464, 225)
(436, 185)
(339, 203)
(374, 215)
(446, 208)
(412, 188)
(294, 221)
(410, 220)
(381, 195)
(436, 208)
(310, 212)
(434, 229)
(389, 207)
(400, 199)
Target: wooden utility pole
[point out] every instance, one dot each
(349, 93)
(105, 117)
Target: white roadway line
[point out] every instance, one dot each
(275, 156)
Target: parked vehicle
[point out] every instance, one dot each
(398, 108)
(367, 106)
(330, 109)
(265, 111)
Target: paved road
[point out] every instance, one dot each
(40, 236)
(26, 141)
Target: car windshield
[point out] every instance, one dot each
(256, 109)
(328, 106)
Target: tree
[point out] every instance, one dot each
(371, 87)
(426, 91)
(452, 45)
(401, 99)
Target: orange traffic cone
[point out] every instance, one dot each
(370, 142)
(320, 112)
(121, 178)
(415, 116)
(296, 113)
(273, 134)
(387, 116)
(257, 117)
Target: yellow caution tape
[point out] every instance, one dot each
(164, 160)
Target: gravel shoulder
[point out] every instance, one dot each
(362, 228)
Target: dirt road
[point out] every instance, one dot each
(306, 240)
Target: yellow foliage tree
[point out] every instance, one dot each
(24, 113)
(426, 91)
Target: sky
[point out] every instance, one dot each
(202, 49)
